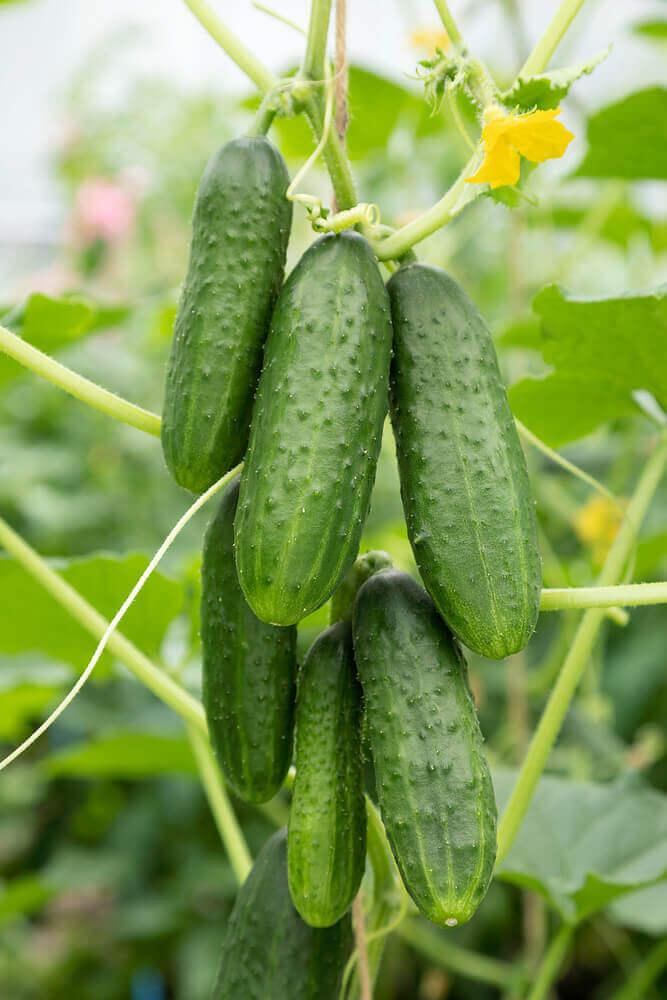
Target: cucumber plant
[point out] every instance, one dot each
(295, 379)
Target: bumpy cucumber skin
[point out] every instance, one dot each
(464, 483)
(269, 952)
(432, 779)
(326, 844)
(240, 230)
(248, 671)
(316, 431)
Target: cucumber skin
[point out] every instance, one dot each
(432, 778)
(464, 483)
(269, 952)
(316, 431)
(248, 671)
(326, 843)
(240, 230)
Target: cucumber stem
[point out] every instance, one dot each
(624, 596)
(538, 59)
(577, 658)
(449, 24)
(78, 386)
(262, 77)
(551, 963)
(223, 814)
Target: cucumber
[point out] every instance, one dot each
(269, 952)
(249, 671)
(464, 483)
(240, 231)
(432, 779)
(326, 844)
(316, 431)
(342, 602)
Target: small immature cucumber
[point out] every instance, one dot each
(240, 230)
(269, 952)
(432, 778)
(316, 431)
(464, 483)
(249, 671)
(326, 844)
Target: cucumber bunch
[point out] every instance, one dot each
(297, 378)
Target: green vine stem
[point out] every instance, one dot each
(316, 40)
(449, 24)
(575, 662)
(624, 596)
(551, 963)
(78, 386)
(223, 814)
(262, 77)
(539, 444)
(78, 607)
(646, 973)
(539, 58)
(433, 945)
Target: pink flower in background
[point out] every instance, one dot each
(103, 210)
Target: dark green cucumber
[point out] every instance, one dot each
(240, 230)
(432, 778)
(341, 608)
(326, 844)
(466, 495)
(249, 671)
(269, 952)
(316, 431)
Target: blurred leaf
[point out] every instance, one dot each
(621, 224)
(105, 581)
(548, 89)
(602, 350)
(22, 896)
(651, 552)
(50, 324)
(522, 332)
(644, 911)
(651, 29)
(123, 755)
(629, 138)
(582, 845)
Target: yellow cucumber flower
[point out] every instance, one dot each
(431, 40)
(506, 136)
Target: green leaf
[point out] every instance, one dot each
(50, 324)
(22, 896)
(629, 138)
(123, 755)
(522, 332)
(620, 226)
(644, 911)
(30, 619)
(583, 845)
(602, 350)
(655, 30)
(547, 90)
(27, 687)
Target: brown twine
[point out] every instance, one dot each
(341, 70)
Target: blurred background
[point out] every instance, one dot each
(114, 882)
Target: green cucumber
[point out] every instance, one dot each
(432, 779)
(249, 671)
(326, 844)
(269, 952)
(464, 483)
(240, 230)
(316, 431)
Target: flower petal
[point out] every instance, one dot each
(501, 165)
(537, 136)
